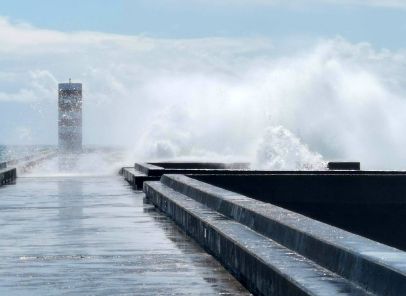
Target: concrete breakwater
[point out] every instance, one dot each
(246, 220)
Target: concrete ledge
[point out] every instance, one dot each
(262, 265)
(121, 171)
(153, 171)
(349, 188)
(7, 175)
(367, 204)
(149, 169)
(202, 165)
(376, 267)
(136, 178)
(344, 165)
(157, 169)
(160, 168)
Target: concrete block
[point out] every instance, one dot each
(341, 165)
(262, 265)
(376, 267)
(364, 203)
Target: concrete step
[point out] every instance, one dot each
(263, 265)
(376, 267)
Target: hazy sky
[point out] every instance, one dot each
(381, 22)
(212, 78)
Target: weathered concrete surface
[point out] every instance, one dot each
(264, 266)
(7, 175)
(96, 236)
(376, 267)
(365, 203)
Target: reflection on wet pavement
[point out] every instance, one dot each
(96, 236)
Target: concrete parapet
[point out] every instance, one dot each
(366, 203)
(259, 262)
(157, 169)
(154, 170)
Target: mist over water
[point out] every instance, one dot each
(290, 105)
(89, 164)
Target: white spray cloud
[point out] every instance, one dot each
(216, 98)
(280, 149)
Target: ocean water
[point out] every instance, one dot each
(9, 152)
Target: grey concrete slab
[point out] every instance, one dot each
(97, 236)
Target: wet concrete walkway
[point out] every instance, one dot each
(96, 236)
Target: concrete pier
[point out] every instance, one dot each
(272, 232)
(96, 236)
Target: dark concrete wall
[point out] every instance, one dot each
(261, 264)
(373, 205)
(7, 175)
(378, 268)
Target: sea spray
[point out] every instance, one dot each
(209, 97)
(280, 149)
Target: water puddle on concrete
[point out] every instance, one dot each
(96, 236)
